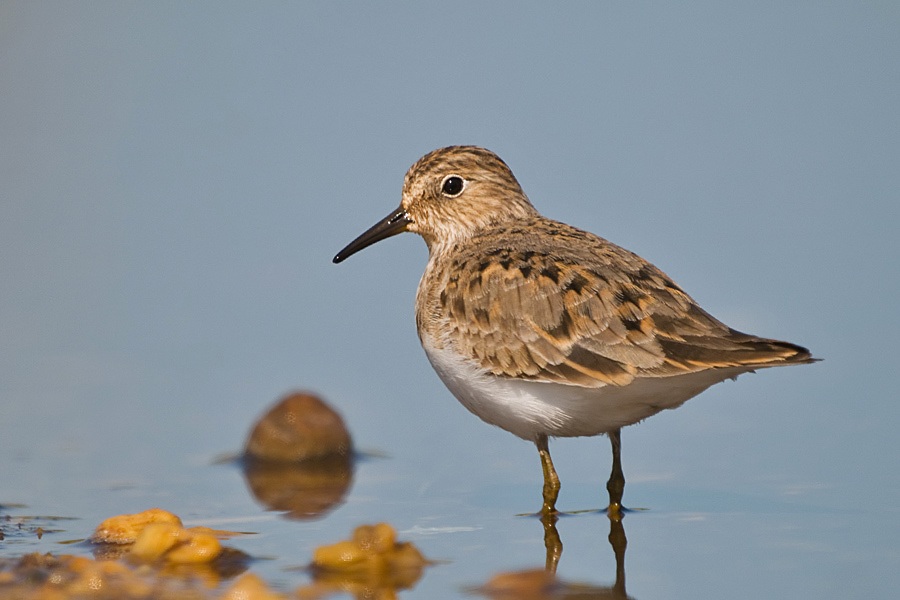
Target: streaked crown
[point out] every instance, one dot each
(451, 193)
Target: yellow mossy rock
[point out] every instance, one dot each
(156, 539)
(199, 548)
(371, 548)
(379, 538)
(250, 587)
(125, 529)
(340, 555)
(175, 544)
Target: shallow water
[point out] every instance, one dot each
(697, 536)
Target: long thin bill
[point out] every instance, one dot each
(391, 225)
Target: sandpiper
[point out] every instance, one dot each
(546, 330)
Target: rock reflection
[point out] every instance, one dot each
(298, 457)
(307, 490)
(543, 584)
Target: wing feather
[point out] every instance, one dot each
(580, 310)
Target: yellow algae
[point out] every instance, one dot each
(340, 555)
(250, 587)
(406, 557)
(124, 529)
(48, 577)
(164, 561)
(67, 577)
(175, 544)
(372, 563)
(157, 534)
(198, 548)
(378, 538)
(156, 539)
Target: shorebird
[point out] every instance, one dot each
(546, 330)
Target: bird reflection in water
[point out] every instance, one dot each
(543, 584)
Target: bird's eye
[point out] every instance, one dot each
(453, 185)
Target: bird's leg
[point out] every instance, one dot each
(551, 479)
(616, 484)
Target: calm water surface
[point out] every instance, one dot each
(733, 534)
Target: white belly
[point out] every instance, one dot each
(529, 408)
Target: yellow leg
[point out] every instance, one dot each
(551, 479)
(616, 484)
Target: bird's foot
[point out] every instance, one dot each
(615, 511)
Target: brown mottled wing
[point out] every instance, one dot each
(584, 311)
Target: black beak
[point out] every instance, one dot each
(394, 223)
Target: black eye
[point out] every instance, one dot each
(453, 185)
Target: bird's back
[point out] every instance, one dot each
(540, 300)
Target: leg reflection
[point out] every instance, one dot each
(617, 539)
(551, 542)
(618, 542)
